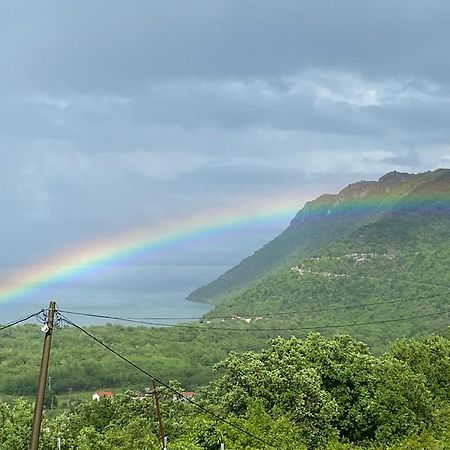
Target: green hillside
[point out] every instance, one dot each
(394, 268)
(326, 220)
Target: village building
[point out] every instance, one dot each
(102, 394)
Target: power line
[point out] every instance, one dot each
(125, 319)
(179, 394)
(274, 314)
(337, 308)
(15, 322)
(314, 327)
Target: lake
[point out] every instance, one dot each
(147, 291)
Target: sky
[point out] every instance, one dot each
(119, 115)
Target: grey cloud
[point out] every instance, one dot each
(105, 46)
(205, 117)
(405, 157)
(114, 116)
(261, 179)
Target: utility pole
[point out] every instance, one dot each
(37, 418)
(162, 436)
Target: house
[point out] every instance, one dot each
(102, 394)
(185, 394)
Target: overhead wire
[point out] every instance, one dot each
(206, 410)
(293, 328)
(372, 277)
(162, 383)
(23, 319)
(272, 314)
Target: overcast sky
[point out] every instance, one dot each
(114, 115)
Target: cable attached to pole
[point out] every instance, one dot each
(265, 330)
(24, 319)
(144, 320)
(179, 394)
(39, 405)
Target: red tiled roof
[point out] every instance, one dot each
(104, 393)
(187, 394)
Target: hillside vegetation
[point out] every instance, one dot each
(80, 364)
(330, 218)
(298, 394)
(392, 269)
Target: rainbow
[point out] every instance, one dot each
(74, 262)
(93, 256)
(330, 207)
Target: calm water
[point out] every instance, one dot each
(136, 291)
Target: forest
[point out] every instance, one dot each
(295, 393)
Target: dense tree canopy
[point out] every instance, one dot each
(295, 393)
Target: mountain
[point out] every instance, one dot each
(329, 219)
(388, 278)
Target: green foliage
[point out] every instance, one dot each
(394, 268)
(15, 425)
(304, 394)
(80, 364)
(430, 357)
(324, 391)
(333, 218)
(328, 388)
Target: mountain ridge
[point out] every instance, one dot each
(327, 219)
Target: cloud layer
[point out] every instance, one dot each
(114, 116)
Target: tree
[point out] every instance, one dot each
(327, 387)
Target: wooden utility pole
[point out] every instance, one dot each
(158, 415)
(37, 418)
